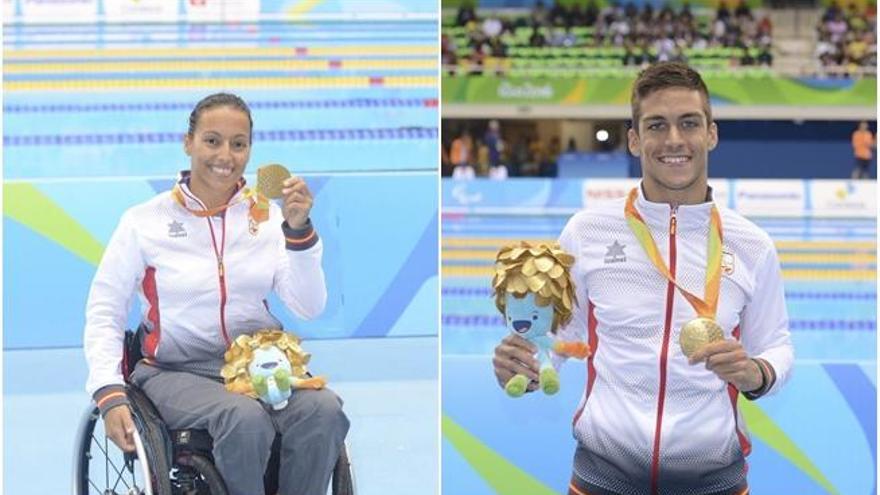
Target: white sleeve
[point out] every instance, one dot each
(121, 267)
(765, 333)
(576, 329)
(299, 278)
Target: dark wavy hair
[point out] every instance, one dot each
(665, 75)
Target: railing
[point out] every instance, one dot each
(501, 67)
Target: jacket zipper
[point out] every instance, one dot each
(664, 354)
(221, 274)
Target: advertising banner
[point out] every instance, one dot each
(519, 196)
(749, 197)
(843, 198)
(222, 10)
(37, 11)
(140, 11)
(600, 190)
(8, 9)
(778, 198)
(615, 90)
(721, 192)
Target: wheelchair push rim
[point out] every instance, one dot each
(100, 467)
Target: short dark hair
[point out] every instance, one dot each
(218, 100)
(665, 75)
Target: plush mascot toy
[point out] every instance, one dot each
(267, 365)
(535, 294)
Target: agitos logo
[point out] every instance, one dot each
(844, 192)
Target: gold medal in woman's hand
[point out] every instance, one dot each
(270, 180)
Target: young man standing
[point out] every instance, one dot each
(651, 269)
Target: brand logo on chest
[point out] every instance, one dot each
(615, 253)
(175, 229)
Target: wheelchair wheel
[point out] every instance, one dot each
(196, 475)
(101, 468)
(343, 475)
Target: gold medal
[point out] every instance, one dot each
(697, 333)
(270, 180)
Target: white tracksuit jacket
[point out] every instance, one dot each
(647, 418)
(191, 304)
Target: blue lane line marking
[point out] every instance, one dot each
(238, 74)
(293, 55)
(481, 320)
(275, 135)
(175, 106)
(867, 296)
(267, 41)
(785, 266)
(197, 29)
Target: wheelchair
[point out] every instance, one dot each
(165, 462)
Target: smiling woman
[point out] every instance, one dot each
(173, 251)
(219, 144)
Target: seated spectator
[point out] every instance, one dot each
(765, 26)
(765, 57)
(722, 12)
(591, 14)
(837, 28)
(742, 10)
(539, 14)
(563, 37)
(559, 14)
(465, 14)
(577, 17)
(831, 12)
(856, 50)
(537, 39)
(630, 11)
(492, 27)
(665, 49)
(826, 51)
(448, 49)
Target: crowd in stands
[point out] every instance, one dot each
(847, 38)
(490, 156)
(639, 36)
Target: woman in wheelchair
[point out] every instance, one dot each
(202, 258)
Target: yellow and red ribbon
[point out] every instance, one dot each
(705, 308)
(259, 209)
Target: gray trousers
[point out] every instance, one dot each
(312, 428)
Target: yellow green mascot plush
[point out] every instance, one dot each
(267, 365)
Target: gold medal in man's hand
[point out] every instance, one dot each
(697, 333)
(270, 180)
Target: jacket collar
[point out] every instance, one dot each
(194, 203)
(657, 215)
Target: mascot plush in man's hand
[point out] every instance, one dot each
(535, 293)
